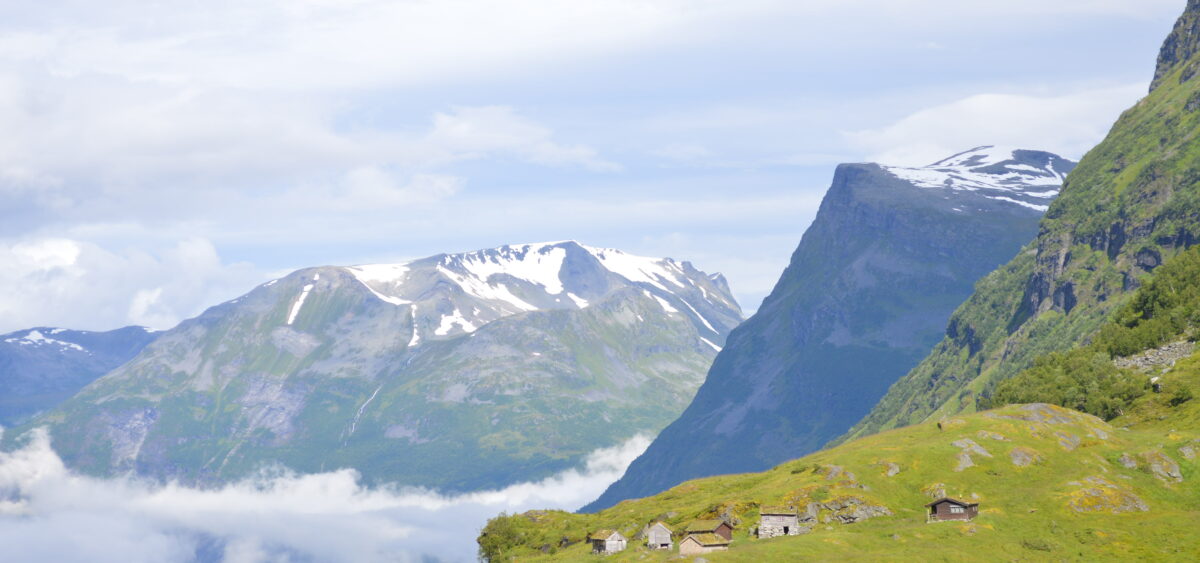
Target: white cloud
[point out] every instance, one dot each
(1068, 124)
(65, 282)
(474, 132)
(50, 513)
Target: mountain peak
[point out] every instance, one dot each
(452, 294)
(1180, 46)
(1029, 178)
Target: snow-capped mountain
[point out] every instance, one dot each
(458, 371)
(1022, 177)
(454, 294)
(40, 367)
(890, 255)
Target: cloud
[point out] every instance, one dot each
(49, 513)
(474, 132)
(1067, 124)
(66, 282)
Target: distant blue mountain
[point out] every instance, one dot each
(892, 252)
(41, 367)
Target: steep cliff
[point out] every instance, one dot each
(890, 255)
(1132, 203)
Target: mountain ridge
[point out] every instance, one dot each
(432, 373)
(864, 298)
(43, 366)
(1130, 205)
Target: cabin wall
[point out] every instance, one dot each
(943, 511)
(692, 547)
(773, 525)
(657, 537)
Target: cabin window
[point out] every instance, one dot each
(956, 510)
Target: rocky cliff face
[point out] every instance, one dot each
(1179, 48)
(890, 255)
(457, 371)
(1132, 203)
(42, 367)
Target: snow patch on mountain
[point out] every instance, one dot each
(460, 293)
(374, 276)
(37, 338)
(662, 303)
(450, 321)
(653, 271)
(486, 289)
(1023, 177)
(299, 303)
(537, 264)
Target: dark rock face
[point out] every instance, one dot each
(41, 367)
(1183, 42)
(865, 297)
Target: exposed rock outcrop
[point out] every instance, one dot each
(1096, 494)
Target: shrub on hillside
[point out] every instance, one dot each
(1082, 379)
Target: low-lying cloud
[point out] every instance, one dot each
(50, 513)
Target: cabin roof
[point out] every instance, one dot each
(707, 540)
(659, 524)
(778, 511)
(604, 535)
(705, 525)
(953, 501)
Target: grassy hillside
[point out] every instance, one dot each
(1131, 204)
(1054, 484)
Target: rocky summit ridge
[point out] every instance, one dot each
(457, 371)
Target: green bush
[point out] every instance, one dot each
(1083, 379)
(1180, 396)
(502, 534)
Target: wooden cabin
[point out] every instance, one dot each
(774, 521)
(658, 536)
(696, 544)
(606, 542)
(717, 527)
(952, 509)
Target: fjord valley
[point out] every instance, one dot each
(957, 315)
(891, 253)
(1097, 313)
(459, 371)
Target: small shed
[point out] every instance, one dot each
(696, 544)
(658, 536)
(952, 509)
(605, 542)
(776, 521)
(718, 527)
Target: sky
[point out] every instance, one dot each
(159, 158)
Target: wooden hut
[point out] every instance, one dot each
(952, 509)
(696, 544)
(717, 527)
(776, 521)
(606, 542)
(658, 536)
